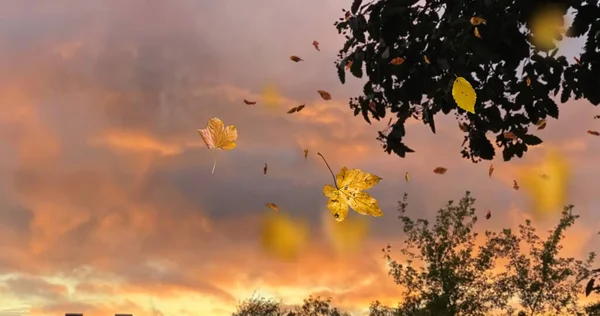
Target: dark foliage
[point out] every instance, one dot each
(312, 306)
(497, 65)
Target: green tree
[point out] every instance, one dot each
(544, 281)
(496, 64)
(445, 274)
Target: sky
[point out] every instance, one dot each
(107, 201)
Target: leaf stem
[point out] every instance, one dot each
(215, 160)
(332, 174)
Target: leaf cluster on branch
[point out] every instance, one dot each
(490, 43)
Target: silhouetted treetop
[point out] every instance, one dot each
(411, 55)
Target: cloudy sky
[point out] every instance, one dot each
(107, 201)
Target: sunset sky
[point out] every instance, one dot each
(107, 201)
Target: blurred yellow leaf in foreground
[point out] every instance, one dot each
(546, 184)
(271, 97)
(347, 236)
(282, 236)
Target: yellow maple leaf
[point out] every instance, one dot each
(346, 237)
(348, 193)
(464, 94)
(217, 136)
(547, 194)
(282, 236)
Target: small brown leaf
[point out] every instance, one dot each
(577, 60)
(305, 153)
(463, 127)
(426, 59)
(488, 215)
(397, 61)
(265, 169)
(528, 81)
(593, 133)
(372, 105)
(249, 102)
(296, 58)
(324, 94)
(491, 170)
(515, 185)
(349, 64)
(477, 20)
(347, 15)
(292, 110)
(440, 170)
(272, 206)
(476, 32)
(596, 117)
(300, 107)
(316, 45)
(541, 124)
(509, 135)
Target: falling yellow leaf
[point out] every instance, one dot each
(491, 170)
(546, 23)
(273, 207)
(477, 20)
(271, 96)
(440, 170)
(349, 64)
(305, 153)
(316, 45)
(541, 124)
(397, 61)
(217, 136)
(348, 191)
(476, 32)
(265, 168)
(407, 177)
(324, 94)
(295, 58)
(528, 81)
(283, 236)
(515, 185)
(348, 236)
(464, 94)
(426, 59)
(593, 133)
(249, 102)
(550, 194)
(509, 135)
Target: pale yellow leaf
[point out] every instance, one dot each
(348, 236)
(282, 236)
(216, 135)
(464, 94)
(547, 194)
